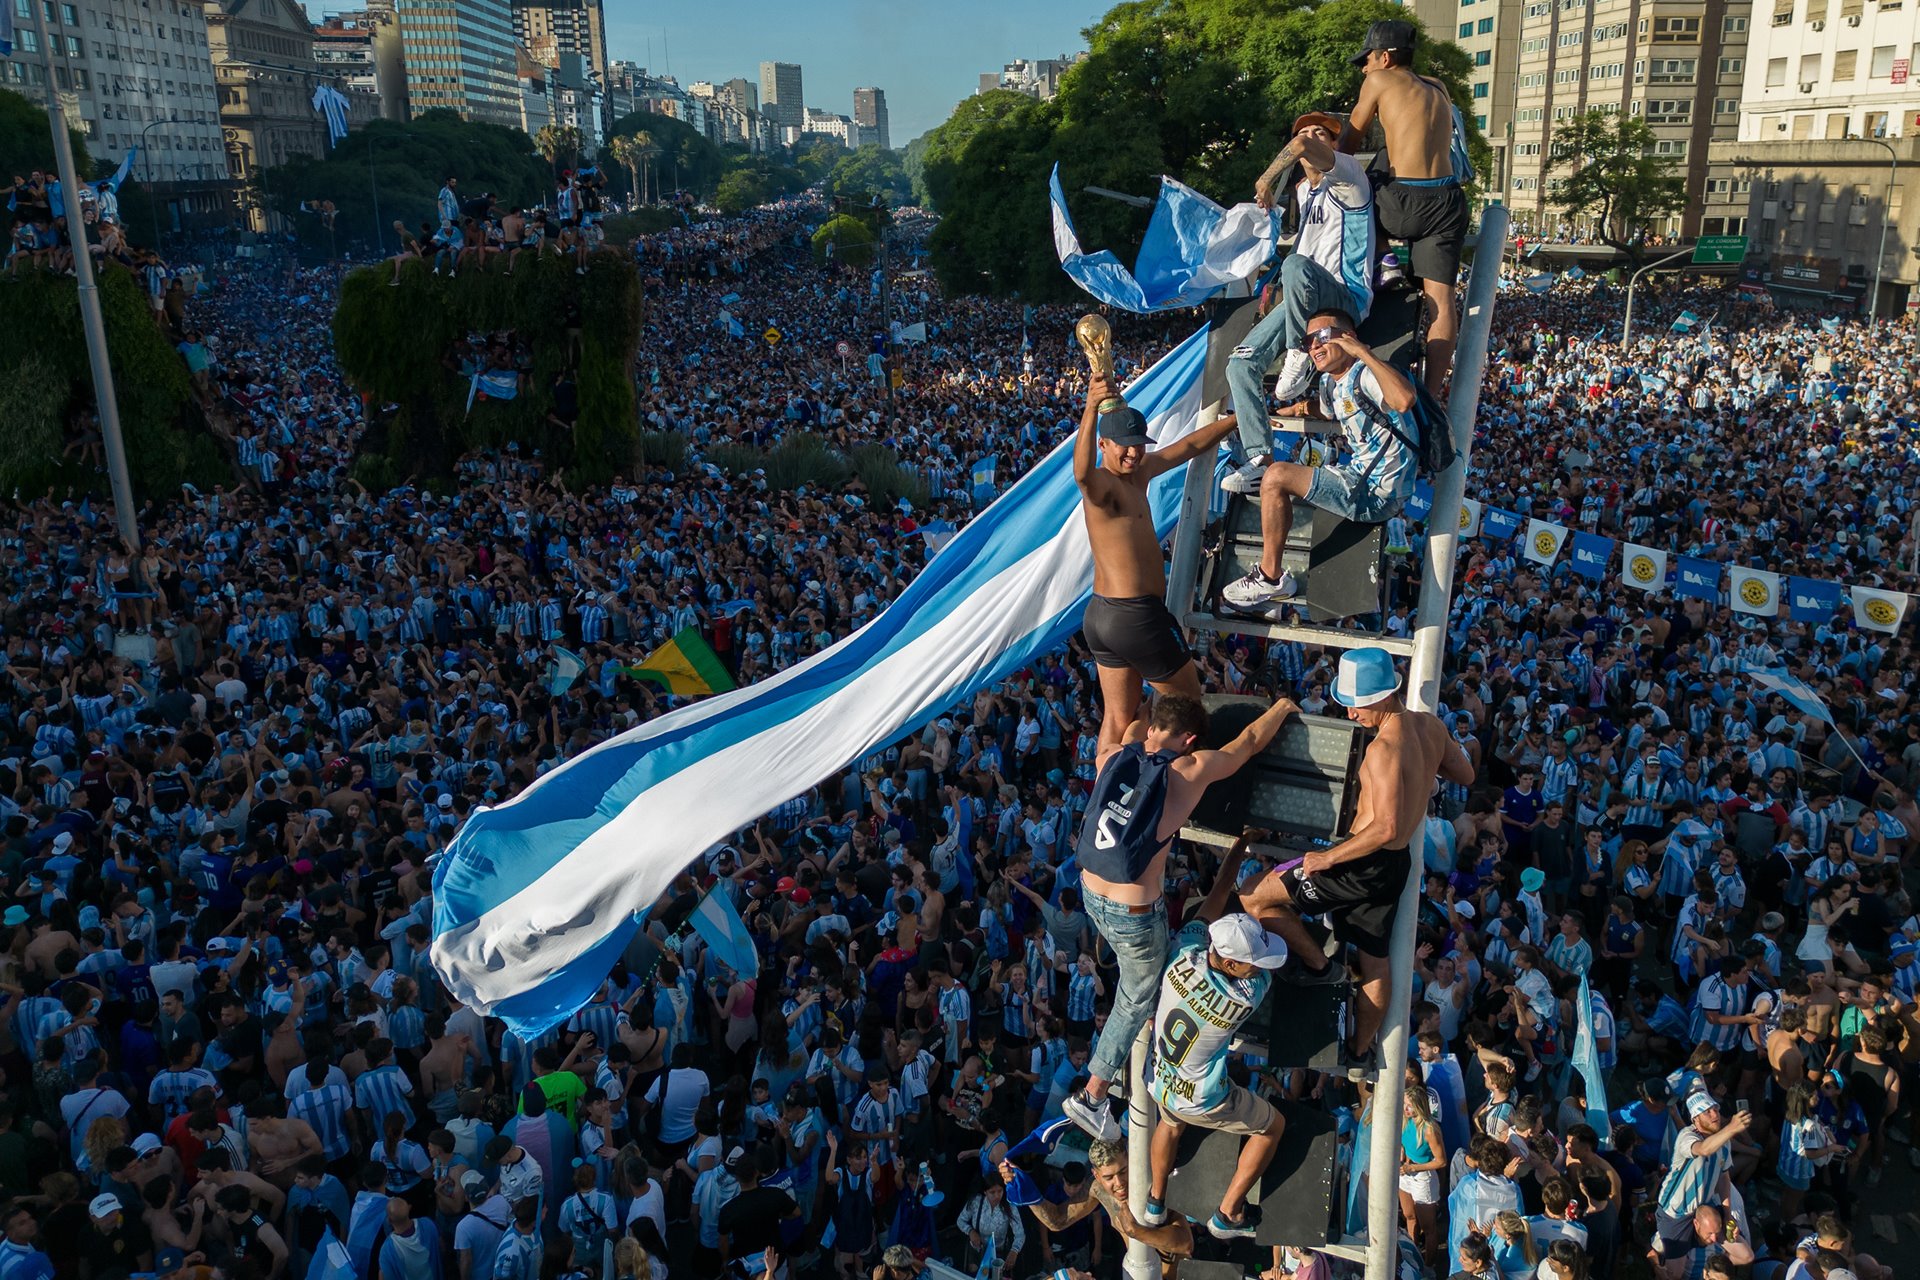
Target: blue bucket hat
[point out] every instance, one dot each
(1365, 677)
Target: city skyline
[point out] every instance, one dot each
(925, 65)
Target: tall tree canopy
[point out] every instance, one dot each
(1200, 90)
(1605, 171)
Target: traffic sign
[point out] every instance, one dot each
(772, 335)
(1719, 250)
(843, 350)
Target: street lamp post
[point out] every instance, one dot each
(1886, 212)
(1626, 327)
(92, 322)
(379, 233)
(146, 164)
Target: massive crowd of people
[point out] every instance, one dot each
(231, 755)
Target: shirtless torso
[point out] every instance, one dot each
(1126, 552)
(1784, 1057)
(1416, 115)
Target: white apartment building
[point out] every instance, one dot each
(1824, 70)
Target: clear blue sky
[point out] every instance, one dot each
(926, 54)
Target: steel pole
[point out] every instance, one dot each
(886, 313)
(1142, 1263)
(1626, 328)
(91, 321)
(1886, 210)
(1423, 687)
(379, 231)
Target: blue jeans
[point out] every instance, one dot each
(1139, 945)
(1305, 288)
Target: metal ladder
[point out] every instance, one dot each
(1425, 650)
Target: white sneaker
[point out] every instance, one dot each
(1257, 589)
(1296, 378)
(1246, 479)
(1095, 1119)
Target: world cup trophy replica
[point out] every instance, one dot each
(1095, 336)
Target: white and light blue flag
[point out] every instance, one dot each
(1193, 249)
(332, 104)
(719, 925)
(537, 897)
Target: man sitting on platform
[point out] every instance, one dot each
(1358, 882)
(1218, 975)
(1373, 402)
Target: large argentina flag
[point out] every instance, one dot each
(536, 898)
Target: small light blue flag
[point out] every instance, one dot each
(1796, 691)
(1192, 250)
(719, 925)
(1586, 1060)
(331, 1261)
(565, 667)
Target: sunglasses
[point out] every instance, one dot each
(1321, 337)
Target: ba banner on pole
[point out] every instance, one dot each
(1469, 518)
(1420, 505)
(1754, 591)
(1643, 567)
(1591, 552)
(1811, 600)
(1496, 523)
(1544, 540)
(1878, 610)
(1697, 578)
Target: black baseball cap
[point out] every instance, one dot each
(1390, 34)
(1125, 425)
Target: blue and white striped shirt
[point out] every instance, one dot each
(325, 1111)
(382, 1092)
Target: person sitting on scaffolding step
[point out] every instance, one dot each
(1331, 267)
(1373, 403)
(1216, 977)
(1358, 882)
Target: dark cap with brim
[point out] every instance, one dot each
(1125, 425)
(1390, 34)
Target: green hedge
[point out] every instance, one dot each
(45, 381)
(392, 343)
(803, 459)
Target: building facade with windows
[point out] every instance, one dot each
(264, 66)
(1678, 66)
(1827, 70)
(362, 48)
(460, 54)
(1823, 214)
(782, 98)
(870, 118)
(549, 28)
(131, 74)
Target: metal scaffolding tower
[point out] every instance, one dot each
(1425, 651)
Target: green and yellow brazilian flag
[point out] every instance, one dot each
(685, 664)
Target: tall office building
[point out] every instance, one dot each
(549, 28)
(741, 93)
(780, 95)
(362, 47)
(1489, 30)
(460, 54)
(870, 117)
(129, 75)
(1675, 64)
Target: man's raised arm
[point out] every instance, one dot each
(1255, 738)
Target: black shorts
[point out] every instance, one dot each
(1433, 222)
(1137, 633)
(1361, 898)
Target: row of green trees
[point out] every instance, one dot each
(1206, 91)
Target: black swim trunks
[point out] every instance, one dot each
(1137, 633)
(1431, 219)
(1360, 897)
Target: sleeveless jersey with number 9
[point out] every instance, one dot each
(1200, 1009)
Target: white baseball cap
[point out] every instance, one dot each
(1240, 937)
(104, 1205)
